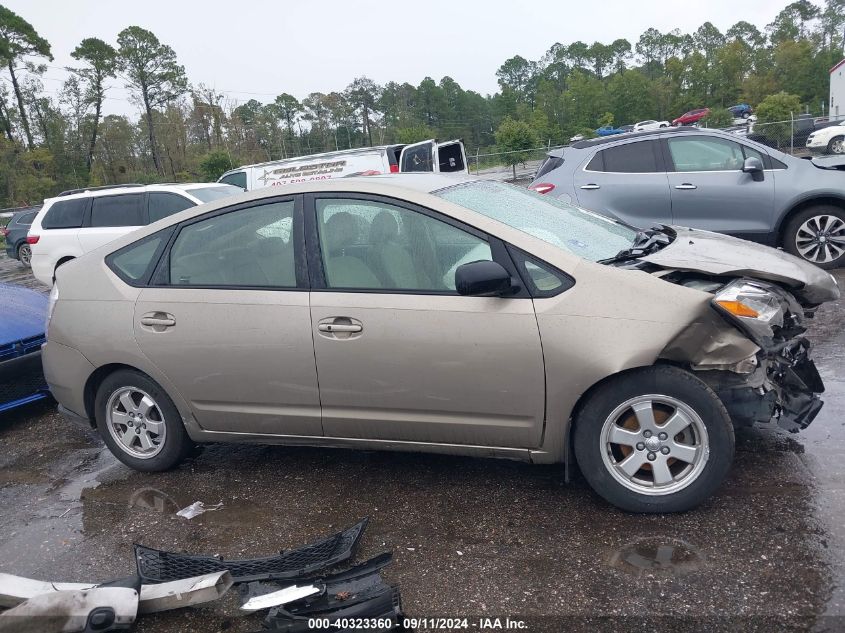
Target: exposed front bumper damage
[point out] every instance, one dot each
(784, 387)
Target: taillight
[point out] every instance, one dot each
(394, 169)
(542, 187)
(32, 239)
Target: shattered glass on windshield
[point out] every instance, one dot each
(574, 230)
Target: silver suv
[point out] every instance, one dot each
(710, 180)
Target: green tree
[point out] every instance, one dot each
(153, 73)
(102, 64)
(515, 138)
(363, 94)
(718, 118)
(414, 134)
(215, 164)
(19, 39)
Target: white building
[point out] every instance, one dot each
(837, 90)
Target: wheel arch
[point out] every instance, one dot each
(797, 208)
(96, 379)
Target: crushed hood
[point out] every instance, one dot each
(716, 254)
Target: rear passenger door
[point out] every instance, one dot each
(225, 317)
(110, 217)
(627, 181)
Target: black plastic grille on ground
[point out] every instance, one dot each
(22, 386)
(156, 566)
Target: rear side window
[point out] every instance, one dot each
(163, 205)
(133, 262)
(552, 162)
(125, 210)
(630, 158)
(65, 214)
(238, 179)
(26, 218)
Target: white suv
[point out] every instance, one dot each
(78, 221)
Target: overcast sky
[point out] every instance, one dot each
(261, 48)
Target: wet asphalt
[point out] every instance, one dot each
(471, 538)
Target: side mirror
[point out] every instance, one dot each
(754, 167)
(482, 278)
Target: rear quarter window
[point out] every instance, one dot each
(65, 214)
(133, 263)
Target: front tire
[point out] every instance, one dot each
(25, 255)
(139, 422)
(817, 234)
(836, 145)
(655, 439)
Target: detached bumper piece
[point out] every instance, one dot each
(108, 607)
(355, 594)
(155, 566)
(800, 384)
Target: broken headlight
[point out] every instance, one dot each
(752, 306)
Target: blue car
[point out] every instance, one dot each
(22, 316)
(609, 130)
(741, 111)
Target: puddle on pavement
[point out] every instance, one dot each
(655, 555)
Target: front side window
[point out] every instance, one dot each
(373, 245)
(246, 248)
(125, 210)
(574, 230)
(65, 214)
(163, 205)
(694, 153)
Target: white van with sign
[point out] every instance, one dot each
(427, 156)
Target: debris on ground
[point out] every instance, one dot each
(197, 508)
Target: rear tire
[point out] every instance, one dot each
(836, 145)
(655, 439)
(805, 231)
(139, 422)
(25, 255)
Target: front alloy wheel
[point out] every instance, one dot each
(654, 444)
(654, 439)
(836, 145)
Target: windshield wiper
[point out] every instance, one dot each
(645, 242)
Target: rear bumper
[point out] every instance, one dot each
(67, 372)
(43, 268)
(22, 381)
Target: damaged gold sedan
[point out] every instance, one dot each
(442, 314)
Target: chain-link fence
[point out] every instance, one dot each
(512, 166)
(791, 135)
(788, 136)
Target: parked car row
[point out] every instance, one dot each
(14, 234)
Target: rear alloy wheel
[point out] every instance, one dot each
(817, 235)
(654, 440)
(25, 254)
(139, 422)
(836, 145)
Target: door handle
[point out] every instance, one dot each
(339, 327)
(591, 186)
(151, 321)
(686, 185)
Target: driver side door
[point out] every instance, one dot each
(710, 191)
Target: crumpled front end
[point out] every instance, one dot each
(751, 350)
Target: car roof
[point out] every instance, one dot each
(111, 190)
(615, 139)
